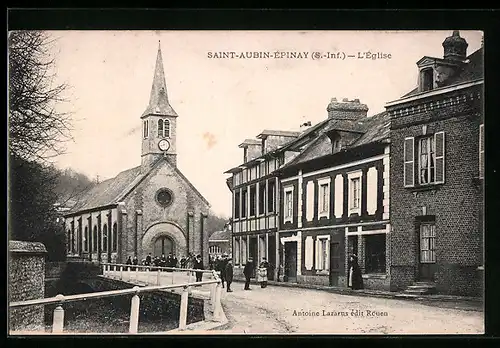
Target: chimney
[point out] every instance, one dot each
(346, 109)
(251, 149)
(455, 47)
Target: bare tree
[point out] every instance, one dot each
(37, 130)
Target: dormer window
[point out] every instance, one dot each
(336, 145)
(426, 79)
(245, 154)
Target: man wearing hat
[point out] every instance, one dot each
(229, 273)
(247, 271)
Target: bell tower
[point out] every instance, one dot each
(159, 121)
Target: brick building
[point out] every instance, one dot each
(335, 200)
(151, 208)
(436, 173)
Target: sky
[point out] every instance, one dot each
(222, 101)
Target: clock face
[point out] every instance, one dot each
(163, 145)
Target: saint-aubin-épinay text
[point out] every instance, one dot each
(351, 313)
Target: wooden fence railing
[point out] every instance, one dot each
(58, 319)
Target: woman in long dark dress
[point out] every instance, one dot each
(355, 278)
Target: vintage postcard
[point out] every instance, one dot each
(246, 182)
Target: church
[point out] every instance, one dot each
(151, 208)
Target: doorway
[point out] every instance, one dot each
(163, 246)
(291, 262)
(271, 247)
(335, 263)
(253, 254)
(427, 252)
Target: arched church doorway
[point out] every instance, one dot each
(164, 245)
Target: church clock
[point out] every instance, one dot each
(163, 145)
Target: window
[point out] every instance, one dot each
(355, 192)
(86, 239)
(166, 128)
(288, 204)
(427, 243)
(99, 240)
(244, 203)
(427, 79)
(236, 252)
(253, 200)
(245, 155)
(375, 253)
(322, 253)
(115, 238)
(164, 197)
(145, 129)
(262, 197)
(426, 161)
(160, 128)
(272, 166)
(429, 165)
(336, 145)
(69, 241)
(324, 197)
(94, 240)
(263, 169)
(271, 194)
(481, 151)
(237, 205)
(163, 128)
(105, 238)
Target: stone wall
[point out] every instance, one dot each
(26, 282)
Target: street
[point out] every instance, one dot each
(281, 310)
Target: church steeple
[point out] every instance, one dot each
(159, 122)
(158, 100)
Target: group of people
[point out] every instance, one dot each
(223, 265)
(261, 273)
(169, 261)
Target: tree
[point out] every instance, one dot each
(215, 223)
(37, 130)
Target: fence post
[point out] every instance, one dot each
(173, 272)
(218, 305)
(134, 313)
(121, 272)
(183, 308)
(213, 289)
(158, 275)
(58, 320)
(129, 275)
(137, 273)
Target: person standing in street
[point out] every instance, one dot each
(229, 274)
(262, 273)
(355, 281)
(198, 264)
(247, 271)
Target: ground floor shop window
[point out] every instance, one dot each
(375, 253)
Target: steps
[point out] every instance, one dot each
(421, 288)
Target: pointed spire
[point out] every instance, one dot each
(158, 100)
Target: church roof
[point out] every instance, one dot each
(114, 190)
(223, 235)
(158, 100)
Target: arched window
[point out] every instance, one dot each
(145, 129)
(166, 128)
(114, 237)
(94, 239)
(86, 239)
(160, 128)
(105, 238)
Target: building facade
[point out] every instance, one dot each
(437, 161)
(335, 201)
(151, 208)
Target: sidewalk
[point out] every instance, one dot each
(466, 303)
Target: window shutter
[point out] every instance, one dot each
(439, 141)
(409, 162)
(481, 151)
